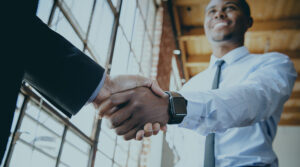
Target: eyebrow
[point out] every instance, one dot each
(207, 9)
(230, 2)
(226, 3)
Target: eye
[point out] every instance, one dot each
(230, 8)
(212, 11)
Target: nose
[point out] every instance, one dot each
(220, 15)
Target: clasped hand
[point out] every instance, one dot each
(136, 106)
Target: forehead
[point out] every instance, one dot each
(214, 3)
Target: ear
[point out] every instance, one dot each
(250, 22)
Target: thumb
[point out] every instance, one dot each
(156, 89)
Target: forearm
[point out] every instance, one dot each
(59, 70)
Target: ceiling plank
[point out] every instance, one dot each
(290, 116)
(199, 58)
(197, 64)
(289, 24)
(276, 25)
(295, 95)
(294, 56)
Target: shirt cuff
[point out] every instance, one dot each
(97, 90)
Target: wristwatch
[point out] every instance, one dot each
(177, 107)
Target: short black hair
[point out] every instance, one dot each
(245, 7)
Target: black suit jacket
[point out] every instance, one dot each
(51, 64)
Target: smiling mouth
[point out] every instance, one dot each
(220, 25)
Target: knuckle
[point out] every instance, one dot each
(137, 105)
(119, 131)
(126, 137)
(114, 122)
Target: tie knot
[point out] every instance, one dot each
(219, 63)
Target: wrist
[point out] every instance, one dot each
(177, 108)
(104, 92)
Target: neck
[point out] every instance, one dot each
(219, 50)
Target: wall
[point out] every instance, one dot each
(287, 146)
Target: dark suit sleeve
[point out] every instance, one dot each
(59, 70)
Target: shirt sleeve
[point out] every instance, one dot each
(257, 98)
(97, 90)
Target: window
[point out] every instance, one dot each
(123, 45)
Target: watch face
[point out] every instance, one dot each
(180, 106)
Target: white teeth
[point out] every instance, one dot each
(220, 25)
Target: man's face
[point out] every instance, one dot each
(225, 21)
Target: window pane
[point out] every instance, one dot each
(135, 149)
(146, 61)
(101, 30)
(75, 151)
(40, 159)
(120, 156)
(123, 143)
(133, 66)
(127, 16)
(138, 35)
(21, 155)
(106, 144)
(63, 27)
(81, 10)
(121, 53)
(44, 10)
(84, 119)
(102, 160)
(132, 163)
(150, 19)
(104, 128)
(40, 130)
(144, 7)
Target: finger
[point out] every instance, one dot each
(156, 128)
(121, 115)
(104, 107)
(132, 134)
(140, 135)
(164, 128)
(156, 89)
(126, 127)
(148, 130)
(114, 100)
(126, 82)
(111, 111)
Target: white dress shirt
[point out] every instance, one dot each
(243, 112)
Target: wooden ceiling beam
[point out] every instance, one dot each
(190, 32)
(181, 44)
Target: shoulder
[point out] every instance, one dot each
(270, 58)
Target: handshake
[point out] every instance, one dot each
(136, 106)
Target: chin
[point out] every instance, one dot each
(221, 36)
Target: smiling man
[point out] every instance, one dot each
(235, 104)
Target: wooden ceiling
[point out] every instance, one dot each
(276, 28)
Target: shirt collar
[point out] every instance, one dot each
(231, 56)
